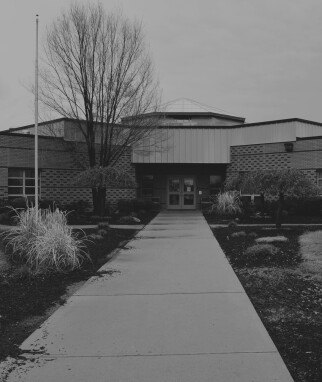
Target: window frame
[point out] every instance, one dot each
(319, 178)
(24, 177)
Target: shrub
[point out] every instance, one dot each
(125, 206)
(80, 206)
(304, 207)
(20, 203)
(4, 202)
(232, 225)
(47, 204)
(227, 203)
(253, 234)
(102, 232)
(45, 242)
(260, 254)
(103, 225)
(246, 205)
(148, 205)
(4, 218)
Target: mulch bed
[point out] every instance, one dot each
(77, 219)
(244, 219)
(25, 301)
(287, 299)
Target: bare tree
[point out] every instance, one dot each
(97, 70)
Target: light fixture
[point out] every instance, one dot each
(289, 146)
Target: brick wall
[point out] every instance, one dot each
(306, 156)
(59, 162)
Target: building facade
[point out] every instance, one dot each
(59, 162)
(186, 158)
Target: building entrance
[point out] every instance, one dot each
(181, 192)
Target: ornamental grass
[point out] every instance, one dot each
(44, 242)
(227, 203)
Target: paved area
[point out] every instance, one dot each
(172, 311)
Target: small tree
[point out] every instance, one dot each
(287, 183)
(101, 178)
(290, 183)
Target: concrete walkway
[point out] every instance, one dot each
(173, 311)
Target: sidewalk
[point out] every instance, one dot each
(173, 311)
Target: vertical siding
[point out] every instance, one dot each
(307, 130)
(210, 145)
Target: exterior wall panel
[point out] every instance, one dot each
(212, 145)
(58, 166)
(306, 156)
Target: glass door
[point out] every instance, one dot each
(188, 193)
(174, 191)
(181, 192)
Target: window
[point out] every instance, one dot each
(319, 178)
(147, 186)
(214, 184)
(21, 182)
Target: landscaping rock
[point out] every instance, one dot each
(129, 220)
(272, 239)
(260, 254)
(95, 236)
(238, 234)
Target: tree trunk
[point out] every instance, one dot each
(99, 196)
(279, 210)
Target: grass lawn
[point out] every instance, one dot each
(286, 290)
(25, 302)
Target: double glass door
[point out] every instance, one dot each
(181, 192)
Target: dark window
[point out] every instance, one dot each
(21, 182)
(319, 178)
(147, 186)
(215, 184)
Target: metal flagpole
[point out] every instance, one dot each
(36, 121)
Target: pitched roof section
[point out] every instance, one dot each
(186, 106)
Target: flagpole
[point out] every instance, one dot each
(36, 121)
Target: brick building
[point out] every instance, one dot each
(197, 149)
(60, 161)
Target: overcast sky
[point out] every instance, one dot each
(259, 59)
